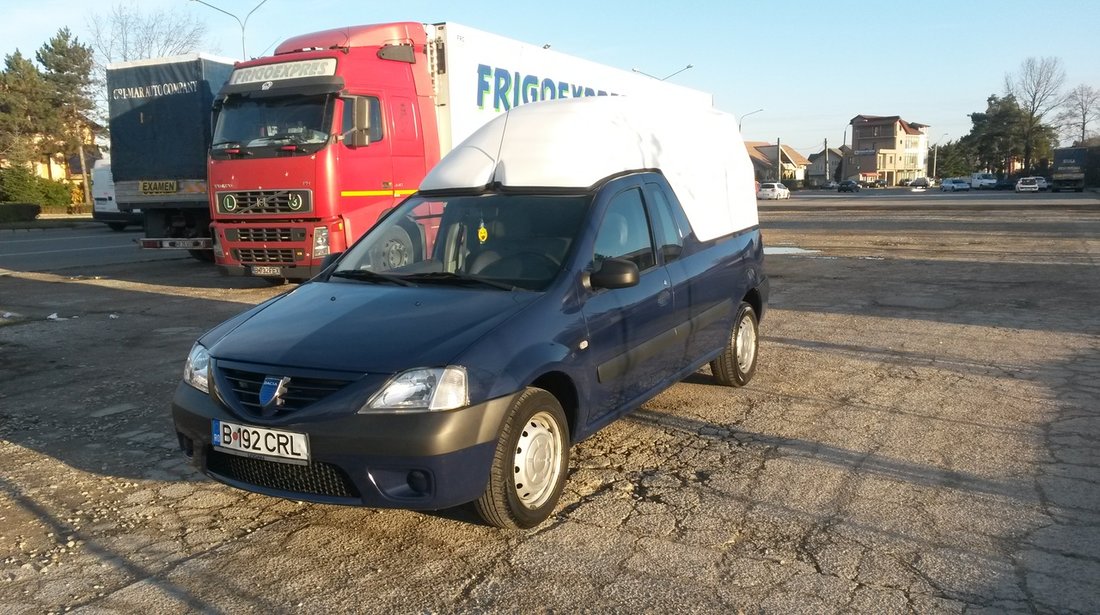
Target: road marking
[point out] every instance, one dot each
(6, 254)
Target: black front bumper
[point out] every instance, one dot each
(420, 461)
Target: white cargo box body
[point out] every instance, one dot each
(577, 143)
(482, 75)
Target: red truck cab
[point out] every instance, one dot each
(313, 144)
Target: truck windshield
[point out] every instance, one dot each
(261, 122)
(491, 241)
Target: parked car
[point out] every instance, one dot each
(1041, 182)
(955, 184)
(773, 190)
(848, 185)
(830, 186)
(1027, 184)
(920, 182)
(536, 309)
(1005, 183)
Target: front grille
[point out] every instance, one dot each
(300, 392)
(265, 202)
(318, 478)
(279, 256)
(265, 235)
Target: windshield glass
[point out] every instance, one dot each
(497, 240)
(261, 122)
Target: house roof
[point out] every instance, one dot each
(909, 128)
(833, 151)
(765, 152)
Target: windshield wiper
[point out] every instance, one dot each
(459, 279)
(363, 275)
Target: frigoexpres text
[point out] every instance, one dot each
(284, 70)
(512, 89)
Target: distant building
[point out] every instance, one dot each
(763, 158)
(886, 148)
(825, 166)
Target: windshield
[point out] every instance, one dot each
(493, 240)
(266, 122)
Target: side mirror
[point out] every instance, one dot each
(615, 273)
(359, 134)
(330, 259)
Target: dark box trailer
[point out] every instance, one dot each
(160, 113)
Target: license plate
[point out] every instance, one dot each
(249, 441)
(267, 271)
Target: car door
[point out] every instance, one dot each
(628, 328)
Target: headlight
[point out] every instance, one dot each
(196, 370)
(420, 390)
(320, 241)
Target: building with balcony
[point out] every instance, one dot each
(886, 149)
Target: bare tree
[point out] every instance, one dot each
(1037, 86)
(127, 33)
(1082, 107)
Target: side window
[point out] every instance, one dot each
(670, 238)
(375, 112)
(624, 232)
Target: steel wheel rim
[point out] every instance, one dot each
(746, 344)
(537, 462)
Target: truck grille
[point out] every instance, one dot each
(265, 202)
(318, 478)
(279, 256)
(265, 235)
(300, 392)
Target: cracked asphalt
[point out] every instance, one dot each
(922, 436)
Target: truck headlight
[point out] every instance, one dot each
(196, 370)
(420, 390)
(320, 241)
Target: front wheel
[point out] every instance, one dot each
(737, 363)
(530, 463)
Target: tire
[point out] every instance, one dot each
(530, 464)
(396, 250)
(737, 363)
(117, 226)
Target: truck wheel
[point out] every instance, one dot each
(737, 363)
(206, 256)
(117, 226)
(530, 463)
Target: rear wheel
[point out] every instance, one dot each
(530, 463)
(117, 226)
(737, 363)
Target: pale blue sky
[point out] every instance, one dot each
(811, 65)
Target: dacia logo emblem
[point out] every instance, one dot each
(271, 394)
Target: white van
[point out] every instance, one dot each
(983, 181)
(105, 207)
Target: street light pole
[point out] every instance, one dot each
(745, 116)
(244, 54)
(657, 78)
(936, 153)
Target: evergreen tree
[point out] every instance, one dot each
(26, 111)
(997, 136)
(68, 71)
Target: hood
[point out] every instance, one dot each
(367, 328)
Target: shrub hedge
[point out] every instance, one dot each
(19, 212)
(19, 185)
